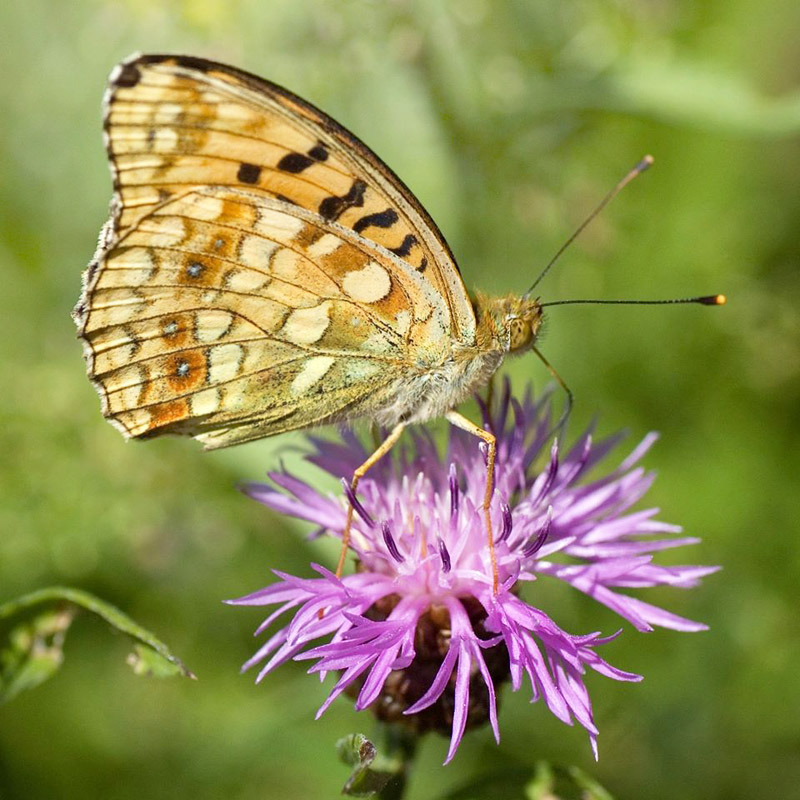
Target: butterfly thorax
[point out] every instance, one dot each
(504, 325)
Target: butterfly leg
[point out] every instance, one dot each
(454, 418)
(383, 448)
(559, 428)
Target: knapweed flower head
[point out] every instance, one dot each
(417, 633)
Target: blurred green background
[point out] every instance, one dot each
(509, 120)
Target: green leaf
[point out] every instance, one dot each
(146, 661)
(34, 652)
(34, 648)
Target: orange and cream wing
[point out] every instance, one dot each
(173, 121)
(230, 316)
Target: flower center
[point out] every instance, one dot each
(432, 641)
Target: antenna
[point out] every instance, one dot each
(644, 164)
(706, 300)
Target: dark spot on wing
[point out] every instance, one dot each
(318, 152)
(333, 207)
(381, 219)
(422, 264)
(295, 162)
(405, 248)
(285, 199)
(128, 76)
(248, 173)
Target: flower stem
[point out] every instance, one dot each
(399, 746)
(380, 769)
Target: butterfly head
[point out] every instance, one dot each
(511, 321)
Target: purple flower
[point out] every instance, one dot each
(416, 633)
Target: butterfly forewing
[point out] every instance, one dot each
(173, 121)
(262, 270)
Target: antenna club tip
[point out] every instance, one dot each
(713, 300)
(644, 164)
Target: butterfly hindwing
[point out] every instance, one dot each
(229, 315)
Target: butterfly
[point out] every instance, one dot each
(263, 270)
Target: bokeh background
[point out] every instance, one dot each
(509, 120)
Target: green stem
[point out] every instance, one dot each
(380, 769)
(399, 745)
(60, 595)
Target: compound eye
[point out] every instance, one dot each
(519, 334)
